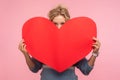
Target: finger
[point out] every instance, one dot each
(95, 39)
(95, 47)
(96, 43)
(23, 40)
(20, 44)
(24, 46)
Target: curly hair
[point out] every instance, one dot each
(59, 10)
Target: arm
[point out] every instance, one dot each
(83, 66)
(33, 64)
(96, 47)
(87, 65)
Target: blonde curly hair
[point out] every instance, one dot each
(59, 10)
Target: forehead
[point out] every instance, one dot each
(59, 18)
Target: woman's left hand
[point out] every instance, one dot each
(96, 45)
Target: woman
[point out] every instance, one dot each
(59, 16)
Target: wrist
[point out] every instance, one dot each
(25, 53)
(95, 54)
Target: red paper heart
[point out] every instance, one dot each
(59, 48)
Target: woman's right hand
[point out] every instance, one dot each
(22, 47)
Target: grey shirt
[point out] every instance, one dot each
(69, 74)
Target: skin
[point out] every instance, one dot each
(58, 21)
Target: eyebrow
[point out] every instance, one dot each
(62, 22)
(54, 22)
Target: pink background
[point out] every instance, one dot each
(106, 14)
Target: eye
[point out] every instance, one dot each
(62, 23)
(55, 23)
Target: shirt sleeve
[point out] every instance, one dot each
(38, 66)
(83, 66)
